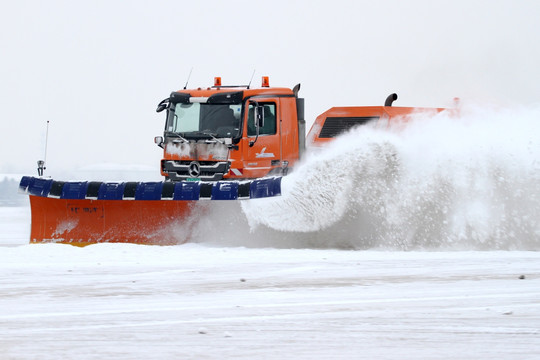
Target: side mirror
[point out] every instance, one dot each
(258, 119)
(162, 105)
(259, 116)
(159, 141)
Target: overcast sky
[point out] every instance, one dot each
(97, 69)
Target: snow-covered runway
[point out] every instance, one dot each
(195, 301)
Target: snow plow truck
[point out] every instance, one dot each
(219, 143)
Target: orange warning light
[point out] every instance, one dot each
(265, 81)
(217, 81)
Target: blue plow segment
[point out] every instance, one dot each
(185, 190)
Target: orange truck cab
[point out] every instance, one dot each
(231, 132)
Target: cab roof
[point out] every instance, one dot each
(207, 92)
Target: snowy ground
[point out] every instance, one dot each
(197, 301)
(14, 225)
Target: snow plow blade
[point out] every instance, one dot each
(154, 213)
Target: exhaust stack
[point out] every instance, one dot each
(390, 99)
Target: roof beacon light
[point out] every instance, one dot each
(217, 81)
(265, 81)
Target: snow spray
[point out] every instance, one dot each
(444, 182)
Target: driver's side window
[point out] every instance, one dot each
(269, 127)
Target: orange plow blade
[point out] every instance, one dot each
(84, 222)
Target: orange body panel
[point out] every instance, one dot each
(84, 222)
(256, 161)
(388, 115)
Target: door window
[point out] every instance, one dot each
(269, 127)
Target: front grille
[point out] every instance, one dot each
(209, 170)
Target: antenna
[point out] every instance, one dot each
(250, 80)
(41, 163)
(189, 76)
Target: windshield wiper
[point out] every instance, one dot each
(173, 134)
(213, 136)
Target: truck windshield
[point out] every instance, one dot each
(199, 119)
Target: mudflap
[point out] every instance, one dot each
(84, 221)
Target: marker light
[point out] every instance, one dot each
(265, 81)
(217, 81)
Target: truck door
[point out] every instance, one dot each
(265, 153)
